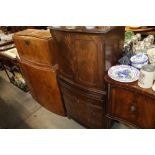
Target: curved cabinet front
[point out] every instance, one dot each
(83, 107)
(37, 55)
(83, 58)
(43, 86)
(131, 107)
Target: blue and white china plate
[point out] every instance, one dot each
(124, 73)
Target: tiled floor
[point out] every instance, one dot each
(18, 110)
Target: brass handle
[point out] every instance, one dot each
(132, 108)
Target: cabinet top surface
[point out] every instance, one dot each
(83, 29)
(131, 86)
(42, 34)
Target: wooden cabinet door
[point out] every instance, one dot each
(122, 105)
(84, 57)
(89, 56)
(43, 84)
(145, 107)
(66, 54)
(83, 109)
(131, 107)
(81, 58)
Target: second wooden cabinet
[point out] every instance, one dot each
(131, 104)
(38, 63)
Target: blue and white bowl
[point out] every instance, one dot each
(139, 66)
(139, 60)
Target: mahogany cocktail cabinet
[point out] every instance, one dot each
(83, 58)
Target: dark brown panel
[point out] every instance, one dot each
(84, 109)
(145, 109)
(122, 103)
(87, 62)
(66, 55)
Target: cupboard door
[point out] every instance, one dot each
(122, 104)
(146, 112)
(66, 55)
(87, 51)
(81, 108)
(44, 86)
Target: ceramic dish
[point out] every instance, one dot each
(123, 73)
(139, 58)
(140, 65)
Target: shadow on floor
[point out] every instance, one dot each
(9, 117)
(18, 110)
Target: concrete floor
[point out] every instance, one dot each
(18, 110)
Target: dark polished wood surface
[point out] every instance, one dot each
(130, 104)
(86, 108)
(83, 57)
(38, 63)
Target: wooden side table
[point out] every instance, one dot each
(130, 104)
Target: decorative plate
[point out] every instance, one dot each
(124, 73)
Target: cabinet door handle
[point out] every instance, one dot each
(132, 108)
